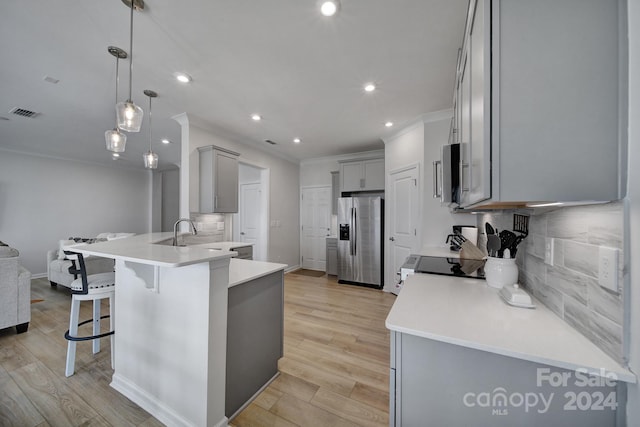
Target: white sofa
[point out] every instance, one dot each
(15, 291)
(58, 264)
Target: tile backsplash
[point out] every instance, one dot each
(570, 287)
(212, 225)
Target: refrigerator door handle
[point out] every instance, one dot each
(354, 225)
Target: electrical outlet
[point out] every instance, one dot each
(548, 250)
(608, 268)
(220, 226)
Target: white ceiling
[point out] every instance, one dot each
(304, 73)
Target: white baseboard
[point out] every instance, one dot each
(292, 268)
(252, 398)
(150, 404)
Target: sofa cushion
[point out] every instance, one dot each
(8, 252)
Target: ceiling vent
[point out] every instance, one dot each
(268, 141)
(23, 112)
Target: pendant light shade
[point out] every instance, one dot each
(129, 115)
(116, 140)
(150, 158)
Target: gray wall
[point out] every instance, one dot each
(284, 206)
(570, 287)
(633, 203)
(43, 200)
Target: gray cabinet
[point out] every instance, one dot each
(254, 337)
(362, 175)
(539, 102)
(332, 256)
(335, 191)
(439, 384)
(244, 252)
(218, 180)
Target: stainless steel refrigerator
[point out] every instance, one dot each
(360, 234)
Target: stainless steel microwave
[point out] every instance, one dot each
(446, 175)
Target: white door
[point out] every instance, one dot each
(315, 210)
(250, 210)
(403, 203)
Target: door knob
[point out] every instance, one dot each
(242, 233)
(393, 239)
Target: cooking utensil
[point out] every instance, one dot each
(489, 229)
(506, 240)
(493, 245)
(514, 245)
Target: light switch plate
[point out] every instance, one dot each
(548, 250)
(608, 268)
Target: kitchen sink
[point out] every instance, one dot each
(185, 241)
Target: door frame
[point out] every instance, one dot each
(390, 273)
(265, 176)
(310, 187)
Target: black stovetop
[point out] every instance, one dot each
(451, 267)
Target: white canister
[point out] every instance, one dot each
(470, 233)
(499, 272)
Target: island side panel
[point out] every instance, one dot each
(444, 384)
(254, 337)
(166, 322)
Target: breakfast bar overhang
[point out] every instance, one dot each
(171, 326)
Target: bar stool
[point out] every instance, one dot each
(93, 287)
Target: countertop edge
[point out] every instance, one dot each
(434, 307)
(621, 373)
(255, 270)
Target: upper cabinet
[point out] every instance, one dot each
(218, 180)
(362, 175)
(540, 102)
(335, 191)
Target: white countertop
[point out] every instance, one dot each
(244, 270)
(225, 246)
(469, 313)
(140, 249)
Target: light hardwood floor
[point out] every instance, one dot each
(335, 369)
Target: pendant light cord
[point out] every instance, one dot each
(117, 78)
(150, 124)
(131, 52)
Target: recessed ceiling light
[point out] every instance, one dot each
(329, 7)
(183, 77)
(166, 141)
(297, 140)
(388, 124)
(50, 79)
(369, 87)
(256, 117)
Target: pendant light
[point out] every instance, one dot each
(150, 158)
(115, 139)
(129, 114)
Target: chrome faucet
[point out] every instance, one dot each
(175, 229)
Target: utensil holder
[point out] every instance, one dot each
(499, 272)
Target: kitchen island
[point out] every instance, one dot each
(461, 356)
(171, 326)
(254, 330)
